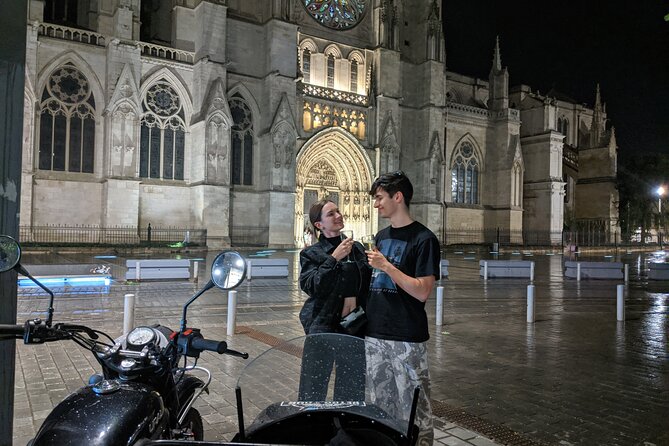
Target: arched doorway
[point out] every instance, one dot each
(332, 164)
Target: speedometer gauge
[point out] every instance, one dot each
(140, 336)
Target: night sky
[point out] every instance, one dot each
(570, 46)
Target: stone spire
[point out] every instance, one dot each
(499, 82)
(496, 59)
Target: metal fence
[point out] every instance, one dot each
(249, 236)
(529, 238)
(96, 235)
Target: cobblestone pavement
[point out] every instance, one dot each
(574, 377)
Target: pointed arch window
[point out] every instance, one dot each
(306, 65)
(465, 176)
(67, 123)
(163, 134)
(330, 71)
(242, 141)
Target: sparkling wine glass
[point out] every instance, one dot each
(369, 241)
(344, 235)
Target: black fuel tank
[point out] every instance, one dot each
(119, 417)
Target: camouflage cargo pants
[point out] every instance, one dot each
(394, 369)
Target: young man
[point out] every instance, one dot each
(406, 263)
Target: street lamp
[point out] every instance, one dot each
(660, 191)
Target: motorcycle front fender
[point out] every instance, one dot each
(121, 417)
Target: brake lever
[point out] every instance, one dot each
(73, 327)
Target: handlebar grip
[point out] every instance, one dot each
(12, 330)
(219, 347)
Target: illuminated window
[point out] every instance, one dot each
(465, 176)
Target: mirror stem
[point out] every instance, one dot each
(209, 285)
(25, 272)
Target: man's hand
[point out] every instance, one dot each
(349, 305)
(378, 260)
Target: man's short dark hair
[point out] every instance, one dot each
(392, 183)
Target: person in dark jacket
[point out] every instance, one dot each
(335, 275)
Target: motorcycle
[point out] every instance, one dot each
(142, 393)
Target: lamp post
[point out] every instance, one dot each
(660, 191)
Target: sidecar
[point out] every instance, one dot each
(312, 390)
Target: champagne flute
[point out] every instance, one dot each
(369, 241)
(344, 235)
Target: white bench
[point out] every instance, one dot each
(266, 268)
(443, 269)
(594, 270)
(658, 271)
(523, 269)
(158, 269)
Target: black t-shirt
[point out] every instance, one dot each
(392, 313)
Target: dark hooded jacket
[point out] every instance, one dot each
(327, 282)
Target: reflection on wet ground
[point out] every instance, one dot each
(575, 376)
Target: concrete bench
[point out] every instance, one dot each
(158, 269)
(658, 271)
(266, 268)
(594, 270)
(523, 269)
(443, 269)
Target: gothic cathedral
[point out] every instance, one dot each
(236, 115)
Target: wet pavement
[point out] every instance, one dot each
(574, 377)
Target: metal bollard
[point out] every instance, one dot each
(440, 305)
(578, 272)
(249, 267)
(196, 270)
(485, 270)
(627, 273)
(232, 311)
(137, 271)
(620, 307)
(128, 313)
(530, 304)
(531, 271)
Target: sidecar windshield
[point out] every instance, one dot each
(310, 388)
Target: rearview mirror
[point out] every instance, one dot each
(10, 253)
(228, 270)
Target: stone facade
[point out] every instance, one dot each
(236, 115)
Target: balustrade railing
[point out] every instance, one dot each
(72, 34)
(165, 52)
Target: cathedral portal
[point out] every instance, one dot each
(332, 164)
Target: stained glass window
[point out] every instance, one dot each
(336, 14)
(163, 134)
(465, 176)
(67, 123)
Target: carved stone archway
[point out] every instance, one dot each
(333, 164)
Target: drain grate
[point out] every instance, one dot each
(496, 432)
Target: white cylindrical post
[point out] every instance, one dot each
(137, 270)
(196, 270)
(485, 270)
(232, 311)
(249, 268)
(620, 307)
(578, 271)
(531, 271)
(627, 273)
(128, 313)
(440, 305)
(530, 304)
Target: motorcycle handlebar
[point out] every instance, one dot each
(219, 347)
(12, 330)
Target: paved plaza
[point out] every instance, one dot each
(574, 377)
